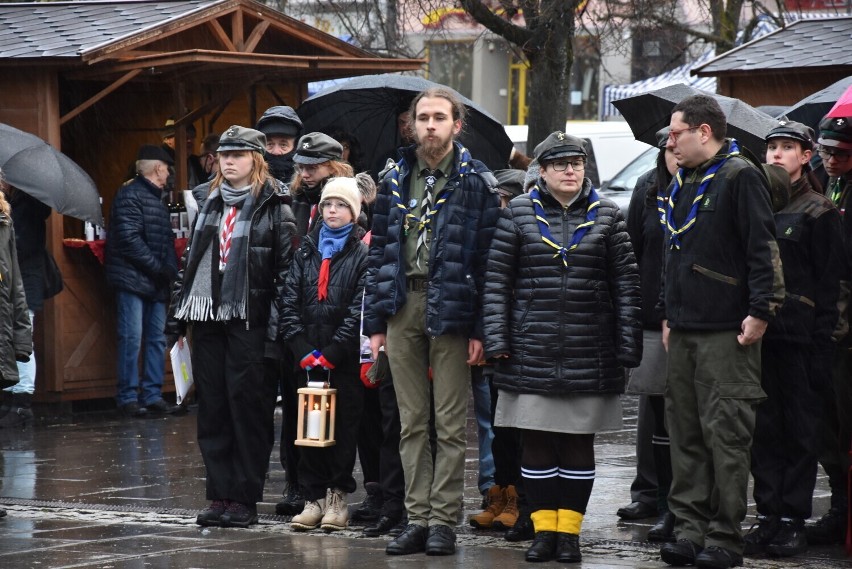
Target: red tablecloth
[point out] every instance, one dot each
(97, 247)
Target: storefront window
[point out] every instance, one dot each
(450, 64)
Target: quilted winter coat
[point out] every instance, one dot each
(565, 330)
(15, 328)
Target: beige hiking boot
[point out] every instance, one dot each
(310, 517)
(336, 512)
(496, 499)
(507, 518)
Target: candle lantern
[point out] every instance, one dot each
(315, 426)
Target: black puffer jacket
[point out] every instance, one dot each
(565, 330)
(646, 234)
(140, 247)
(460, 241)
(332, 325)
(270, 252)
(16, 338)
(29, 215)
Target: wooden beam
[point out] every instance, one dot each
(237, 29)
(255, 36)
(103, 93)
(221, 35)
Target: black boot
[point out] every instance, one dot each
(568, 548)
(663, 530)
(19, 413)
(543, 548)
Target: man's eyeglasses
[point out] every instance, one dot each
(838, 155)
(675, 134)
(561, 165)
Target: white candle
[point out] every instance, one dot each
(314, 423)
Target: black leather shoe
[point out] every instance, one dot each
(543, 547)
(761, 534)
(293, 502)
(715, 557)
(663, 530)
(680, 553)
(383, 526)
(371, 508)
(637, 511)
(790, 539)
(523, 530)
(568, 548)
(441, 540)
(829, 529)
(397, 530)
(238, 516)
(212, 514)
(412, 540)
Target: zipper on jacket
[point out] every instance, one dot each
(714, 275)
(248, 254)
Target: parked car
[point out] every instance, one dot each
(620, 187)
(610, 145)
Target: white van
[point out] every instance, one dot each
(610, 145)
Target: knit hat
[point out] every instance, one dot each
(316, 148)
(559, 145)
(795, 131)
(836, 132)
(242, 138)
(280, 121)
(345, 189)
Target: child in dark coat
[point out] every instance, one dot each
(320, 321)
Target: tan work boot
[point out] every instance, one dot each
(310, 517)
(496, 499)
(336, 512)
(507, 518)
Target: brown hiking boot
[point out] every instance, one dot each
(507, 518)
(496, 502)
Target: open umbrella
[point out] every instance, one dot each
(33, 166)
(843, 107)
(367, 107)
(649, 112)
(812, 108)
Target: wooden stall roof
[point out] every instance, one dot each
(184, 39)
(806, 45)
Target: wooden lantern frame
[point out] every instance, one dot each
(326, 399)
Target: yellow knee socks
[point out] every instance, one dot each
(568, 521)
(544, 520)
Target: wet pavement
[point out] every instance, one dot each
(93, 490)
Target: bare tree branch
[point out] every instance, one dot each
(482, 14)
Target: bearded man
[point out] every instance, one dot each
(432, 226)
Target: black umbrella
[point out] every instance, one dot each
(812, 108)
(651, 111)
(33, 166)
(367, 108)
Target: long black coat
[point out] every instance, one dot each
(566, 330)
(332, 325)
(15, 327)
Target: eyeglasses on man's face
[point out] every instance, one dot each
(675, 134)
(576, 164)
(830, 153)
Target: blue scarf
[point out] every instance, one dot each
(424, 223)
(579, 233)
(667, 213)
(332, 240)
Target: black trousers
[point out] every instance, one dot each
(236, 403)
(391, 475)
(331, 467)
(835, 428)
(784, 451)
(506, 446)
(289, 452)
(370, 436)
(645, 487)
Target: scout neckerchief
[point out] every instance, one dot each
(674, 232)
(834, 192)
(582, 229)
(424, 222)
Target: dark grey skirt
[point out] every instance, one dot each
(650, 377)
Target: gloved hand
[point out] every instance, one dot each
(310, 361)
(365, 378)
(324, 362)
(23, 358)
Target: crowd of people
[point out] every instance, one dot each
(723, 305)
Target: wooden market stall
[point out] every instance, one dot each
(99, 79)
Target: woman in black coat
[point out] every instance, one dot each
(234, 270)
(562, 319)
(321, 322)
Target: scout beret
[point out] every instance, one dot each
(559, 145)
(316, 148)
(242, 138)
(793, 130)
